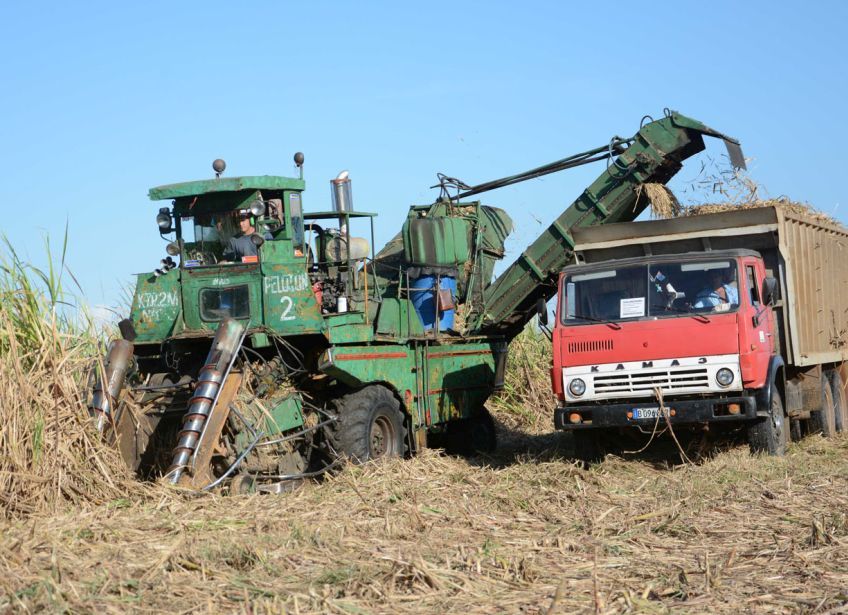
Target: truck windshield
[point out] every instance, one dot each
(651, 290)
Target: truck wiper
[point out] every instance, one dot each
(611, 323)
(694, 315)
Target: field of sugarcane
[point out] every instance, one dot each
(696, 527)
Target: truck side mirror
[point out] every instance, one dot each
(542, 311)
(769, 291)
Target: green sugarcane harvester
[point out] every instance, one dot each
(280, 344)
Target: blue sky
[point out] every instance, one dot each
(101, 101)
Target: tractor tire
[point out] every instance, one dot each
(840, 400)
(589, 445)
(770, 434)
(824, 421)
(370, 425)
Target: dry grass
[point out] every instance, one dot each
(519, 533)
(526, 403)
(524, 531)
(49, 457)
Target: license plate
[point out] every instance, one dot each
(646, 413)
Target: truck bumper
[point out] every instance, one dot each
(680, 412)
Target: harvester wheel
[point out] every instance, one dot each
(840, 400)
(370, 425)
(824, 421)
(770, 434)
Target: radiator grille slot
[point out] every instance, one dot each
(665, 379)
(589, 346)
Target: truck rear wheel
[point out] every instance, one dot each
(370, 425)
(824, 421)
(840, 402)
(770, 434)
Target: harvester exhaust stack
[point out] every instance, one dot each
(109, 383)
(219, 362)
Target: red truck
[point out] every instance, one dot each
(733, 319)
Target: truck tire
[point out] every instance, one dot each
(840, 400)
(770, 434)
(589, 445)
(824, 421)
(370, 425)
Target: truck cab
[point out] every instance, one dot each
(689, 329)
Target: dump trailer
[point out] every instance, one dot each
(732, 320)
(272, 343)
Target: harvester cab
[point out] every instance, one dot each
(247, 251)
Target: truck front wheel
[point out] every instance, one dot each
(370, 425)
(770, 434)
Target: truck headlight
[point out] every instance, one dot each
(724, 377)
(577, 387)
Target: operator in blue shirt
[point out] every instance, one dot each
(718, 295)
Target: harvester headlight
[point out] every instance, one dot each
(577, 387)
(163, 219)
(257, 207)
(724, 377)
(173, 248)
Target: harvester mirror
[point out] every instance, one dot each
(163, 220)
(542, 311)
(257, 239)
(769, 292)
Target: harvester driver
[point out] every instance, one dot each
(241, 245)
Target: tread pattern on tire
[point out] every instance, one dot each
(762, 437)
(350, 434)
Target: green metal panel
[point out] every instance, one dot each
(436, 382)
(225, 184)
(156, 306)
(436, 241)
(290, 306)
(349, 328)
(459, 377)
(286, 415)
(397, 318)
(194, 280)
(283, 415)
(359, 365)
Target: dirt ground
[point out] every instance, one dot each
(524, 531)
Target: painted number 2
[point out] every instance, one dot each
(287, 304)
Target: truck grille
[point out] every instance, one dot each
(589, 346)
(667, 380)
